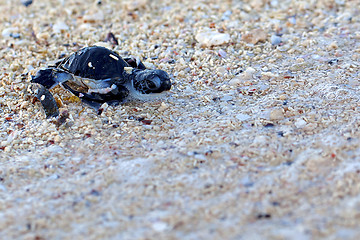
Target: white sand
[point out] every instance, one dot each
(268, 153)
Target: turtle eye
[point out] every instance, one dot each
(153, 83)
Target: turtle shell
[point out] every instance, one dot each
(96, 63)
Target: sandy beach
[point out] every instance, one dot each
(258, 137)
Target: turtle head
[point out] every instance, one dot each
(151, 81)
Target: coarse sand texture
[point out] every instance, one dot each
(258, 137)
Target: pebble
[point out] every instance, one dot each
(255, 36)
(332, 46)
(163, 107)
(260, 140)
(276, 114)
(227, 98)
(275, 40)
(149, 65)
(268, 75)
(212, 38)
(292, 20)
(94, 17)
(60, 27)
(222, 53)
(236, 81)
(8, 32)
(26, 3)
(188, 90)
(226, 15)
(248, 74)
(43, 36)
(300, 123)
(159, 226)
(315, 56)
(221, 70)
(242, 117)
(274, 3)
(53, 149)
(132, 5)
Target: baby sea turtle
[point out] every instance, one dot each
(97, 75)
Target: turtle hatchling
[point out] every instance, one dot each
(97, 75)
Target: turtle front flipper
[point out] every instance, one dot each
(44, 80)
(46, 99)
(50, 77)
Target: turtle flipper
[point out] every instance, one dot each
(135, 63)
(44, 80)
(50, 77)
(46, 99)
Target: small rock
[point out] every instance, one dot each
(44, 36)
(159, 226)
(15, 35)
(268, 75)
(315, 56)
(8, 32)
(242, 117)
(94, 17)
(222, 53)
(255, 36)
(221, 70)
(282, 97)
(292, 20)
(276, 114)
(26, 3)
(226, 15)
(340, 2)
(163, 107)
(236, 81)
(275, 40)
(300, 60)
(248, 74)
(260, 140)
(60, 27)
(274, 3)
(53, 149)
(212, 38)
(132, 5)
(149, 65)
(257, 4)
(300, 123)
(333, 61)
(188, 90)
(332, 46)
(103, 108)
(226, 98)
